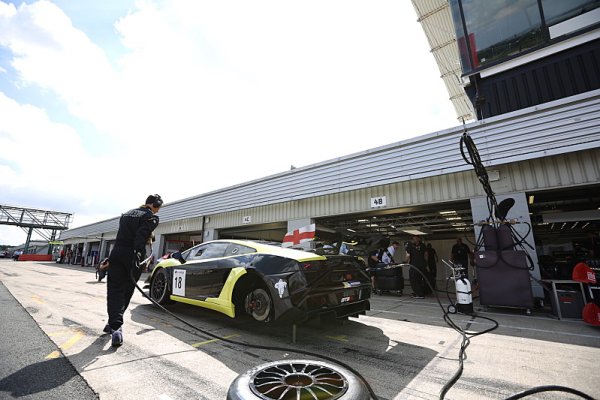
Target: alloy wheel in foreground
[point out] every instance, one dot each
(298, 379)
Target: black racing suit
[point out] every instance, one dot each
(417, 259)
(135, 228)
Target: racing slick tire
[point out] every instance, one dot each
(159, 287)
(298, 379)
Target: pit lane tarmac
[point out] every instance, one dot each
(402, 346)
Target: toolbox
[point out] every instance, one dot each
(567, 303)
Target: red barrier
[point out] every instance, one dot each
(35, 257)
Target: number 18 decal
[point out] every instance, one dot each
(179, 282)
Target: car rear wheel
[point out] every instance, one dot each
(258, 305)
(159, 288)
(298, 379)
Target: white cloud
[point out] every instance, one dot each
(232, 90)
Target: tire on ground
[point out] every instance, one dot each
(295, 378)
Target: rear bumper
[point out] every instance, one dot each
(338, 303)
(296, 315)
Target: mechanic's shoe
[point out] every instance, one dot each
(106, 329)
(117, 337)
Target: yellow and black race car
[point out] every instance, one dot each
(267, 282)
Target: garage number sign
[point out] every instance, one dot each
(377, 202)
(179, 282)
(246, 220)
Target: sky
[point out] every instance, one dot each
(105, 102)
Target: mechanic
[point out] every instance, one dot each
(388, 254)
(417, 256)
(460, 256)
(135, 229)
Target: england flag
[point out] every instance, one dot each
(304, 234)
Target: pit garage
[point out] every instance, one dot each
(420, 186)
(563, 221)
(178, 241)
(272, 232)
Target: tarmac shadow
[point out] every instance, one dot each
(52, 373)
(362, 346)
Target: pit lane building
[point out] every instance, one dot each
(536, 105)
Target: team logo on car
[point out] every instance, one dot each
(281, 286)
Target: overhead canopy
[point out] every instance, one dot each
(436, 20)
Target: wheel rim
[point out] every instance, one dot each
(298, 380)
(258, 304)
(159, 285)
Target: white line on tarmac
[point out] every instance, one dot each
(164, 397)
(502, 325)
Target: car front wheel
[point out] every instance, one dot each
(159, 288)
(258, 305)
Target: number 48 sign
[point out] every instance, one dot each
(377, 202)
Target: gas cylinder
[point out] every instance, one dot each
(464, 298)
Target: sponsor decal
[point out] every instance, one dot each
(281, 285)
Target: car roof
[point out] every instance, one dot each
(298, 255)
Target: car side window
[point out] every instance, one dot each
(210, 250)
(196, 253)
(235, 249)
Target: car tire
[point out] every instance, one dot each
(295, 379)
(258, 304)
(159, 287)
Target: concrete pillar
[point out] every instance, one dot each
(211, 234)
(102, 251)
(520, 212)
(158, 247)
(84, 252)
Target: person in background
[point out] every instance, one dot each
(388, 254)
(375, 260)
(135, 229)
(16, 255)
(432, 260)
(417, 256)
(461, 254)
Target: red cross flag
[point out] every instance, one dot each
(304, 234)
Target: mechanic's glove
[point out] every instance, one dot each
(137, 259)
(103, 265)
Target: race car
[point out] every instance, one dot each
(267, 282)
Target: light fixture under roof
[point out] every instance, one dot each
(531, 199)
(448, 212)
(414, 232)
